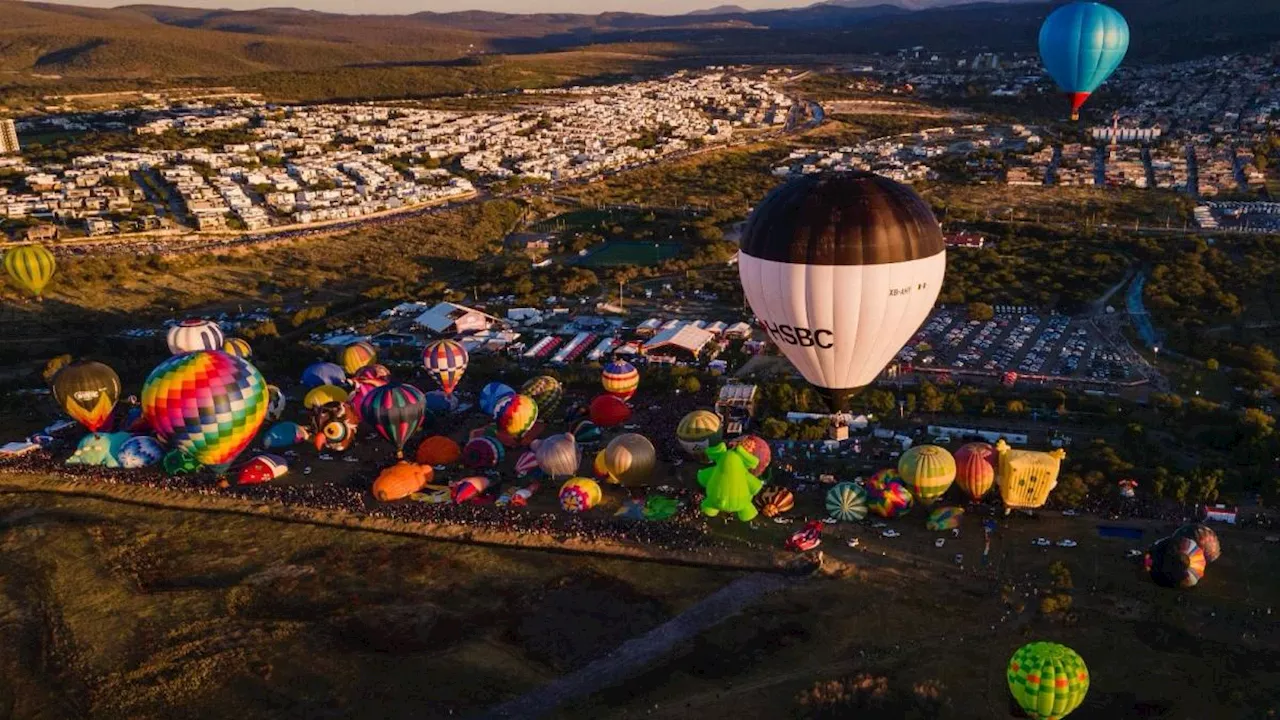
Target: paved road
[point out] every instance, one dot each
(638, 653)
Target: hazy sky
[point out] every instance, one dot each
(654, 7)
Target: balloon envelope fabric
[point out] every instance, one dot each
(208, 404)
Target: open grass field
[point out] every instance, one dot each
(112, 610)
(621, 252)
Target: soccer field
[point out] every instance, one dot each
(627, 252)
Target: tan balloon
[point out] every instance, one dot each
(630, 458)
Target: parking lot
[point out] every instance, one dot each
(1015, 340)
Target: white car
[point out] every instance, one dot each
(853, 542)
(879, 525)
(1070, 513)
(1041, 542)
(890, 533)
(1133, 553)
(306, 470)
(1066, 542)
(939, 542)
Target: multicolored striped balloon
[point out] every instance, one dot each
(238, 347)
(1048, 680)
(396, 411)
(928, 470)
(1204, 536)
(1176, 562)
(975, 468)
(546, 391)
(31, 267)
(446, 361)
(944, 518)
(620, 379)
(526, 463)
(491, 393)
(775, 500)
(194, 335)
(887, 496)
(847, 502)
(482, 452)
(357, 355)
(515, 414)
(207, 404)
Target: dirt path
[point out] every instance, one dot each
(638, 653)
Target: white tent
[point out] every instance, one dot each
(447, 317)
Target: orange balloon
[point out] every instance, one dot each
(438, 450)
(401, 480)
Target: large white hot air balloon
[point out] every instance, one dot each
(193, 335)
(841, 269)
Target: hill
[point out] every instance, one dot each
(138, 42)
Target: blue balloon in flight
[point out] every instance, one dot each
(1081, 44)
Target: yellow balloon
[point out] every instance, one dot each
(31, 267)
(1026, 477)
(323, 395)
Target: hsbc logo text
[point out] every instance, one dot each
(802, 337)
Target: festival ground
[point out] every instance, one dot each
(114, 610)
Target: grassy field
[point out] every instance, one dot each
(629, 253)
(118, 611)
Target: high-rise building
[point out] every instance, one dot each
(8, 137)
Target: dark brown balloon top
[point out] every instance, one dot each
(846, 218)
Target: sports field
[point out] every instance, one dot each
(629, 252)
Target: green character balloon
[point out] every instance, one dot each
(729, 483)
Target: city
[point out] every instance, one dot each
(593, 361)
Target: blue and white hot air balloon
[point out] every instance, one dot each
(1081, 44)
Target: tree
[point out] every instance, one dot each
(1211, 364)
(1015, 407)
(1257, 423)
(774, 429)
(931, 399)
(1205, 484)
(981, 311)
(1071, 491)
(880, 402)
(692, 385)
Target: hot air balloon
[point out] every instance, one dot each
(468, 488)
(482, 452)
(400, 481)
(516, 414)
(445, 361)
(334, 426)
(630, 459)
(138, 452)
(774, 500)
(372, 373)
(599, 468)
(847, 502)
(558, 455)
(620, 379)
(1204, 536)
(975, 468)
(207, 404)
(360, 395)
(440, 403)
(87, 391)
(1176, 562)
(928, 470)
(490, 395)
(275, 403)
(396, 411)
(1025, 477)
(1127, 487)
(238, 347)
(262, 469)
(885, 476)
(323, 395)
(757, 446)
(587, 432)
(840, 269)
(1047, 680)
(546, 391)
(1081, 44)
(194, 335)
(699, 430)
(438, 450)
(179, 462)
(323, 373)
(526, 463)
(888, 497)
(944, 518)
(356, 355)
(285, 434)
(31, 267)
(580, 494)
(608, 411)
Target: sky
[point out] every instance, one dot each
(397, 7)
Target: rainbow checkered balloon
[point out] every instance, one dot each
(1048, 680)
(207, 404)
